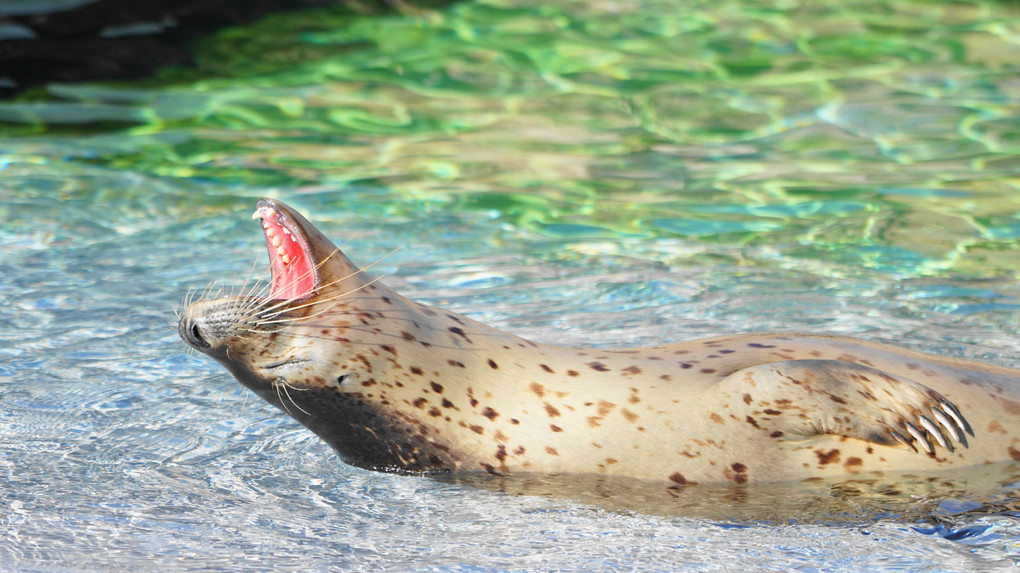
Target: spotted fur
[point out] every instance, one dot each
(395, 385)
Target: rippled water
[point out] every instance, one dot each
(585, 173)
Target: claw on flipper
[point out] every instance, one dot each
(935, 432)
(949, 425)
(901, 439)
(956, 415)
(920, 436)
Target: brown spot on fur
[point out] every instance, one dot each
(632, 370)
(631, 416)
(572, 373)
(519, 451)
(477, 429)
(448, 404)
(493, 365)
(752, 421)
(436, 387)
(772, 412)
(1014, 454)
(555, 428)
(457, 330)
(551, 451)
(434, 412)
(389, 349)
(739, 473)
(538, 389)
(420, 403)
(829, 457)
(598, 366)
(776, 434)
(760, 345)
(551, 410)
(514, 421)
(416, 370)
(837, 399)
(500, 436)
(747, 398)
(1010, 406)
(716, 418)
(490, 413)
(407, 335)
(546, 368)
(853, 464)
(679, 479)
(708, 370)
(994, 427)
(456, 363)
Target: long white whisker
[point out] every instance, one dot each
(273, 320)
(268, 313)
(286, 392)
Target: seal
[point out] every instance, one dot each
(395, 385)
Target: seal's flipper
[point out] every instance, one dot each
(814, 397)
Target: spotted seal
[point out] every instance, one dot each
(396, 385)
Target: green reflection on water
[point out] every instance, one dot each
(882, 134)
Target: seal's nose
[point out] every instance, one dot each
(192, 332)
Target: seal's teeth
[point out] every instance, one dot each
(261, 213)
(276, 241)
(285, 258)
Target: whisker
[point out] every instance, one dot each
(286, 392)
(273, 319)
(268, 312)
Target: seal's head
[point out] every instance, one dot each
(315, 344)
(263, 340)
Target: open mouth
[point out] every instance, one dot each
(294, 273)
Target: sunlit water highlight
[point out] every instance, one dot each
(590, 174)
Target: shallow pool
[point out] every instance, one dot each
(584, 173)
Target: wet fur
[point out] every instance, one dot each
(396, 385)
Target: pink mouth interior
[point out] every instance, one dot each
(292, 269)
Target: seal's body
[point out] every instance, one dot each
(397, 385)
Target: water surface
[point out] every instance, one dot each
(586, 173)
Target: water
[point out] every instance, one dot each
(584, 173)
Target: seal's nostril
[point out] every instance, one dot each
(192, 333)
(196, 336)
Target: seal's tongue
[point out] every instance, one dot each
(291, 266)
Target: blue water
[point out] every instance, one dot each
(120, 449)
(575, 173)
